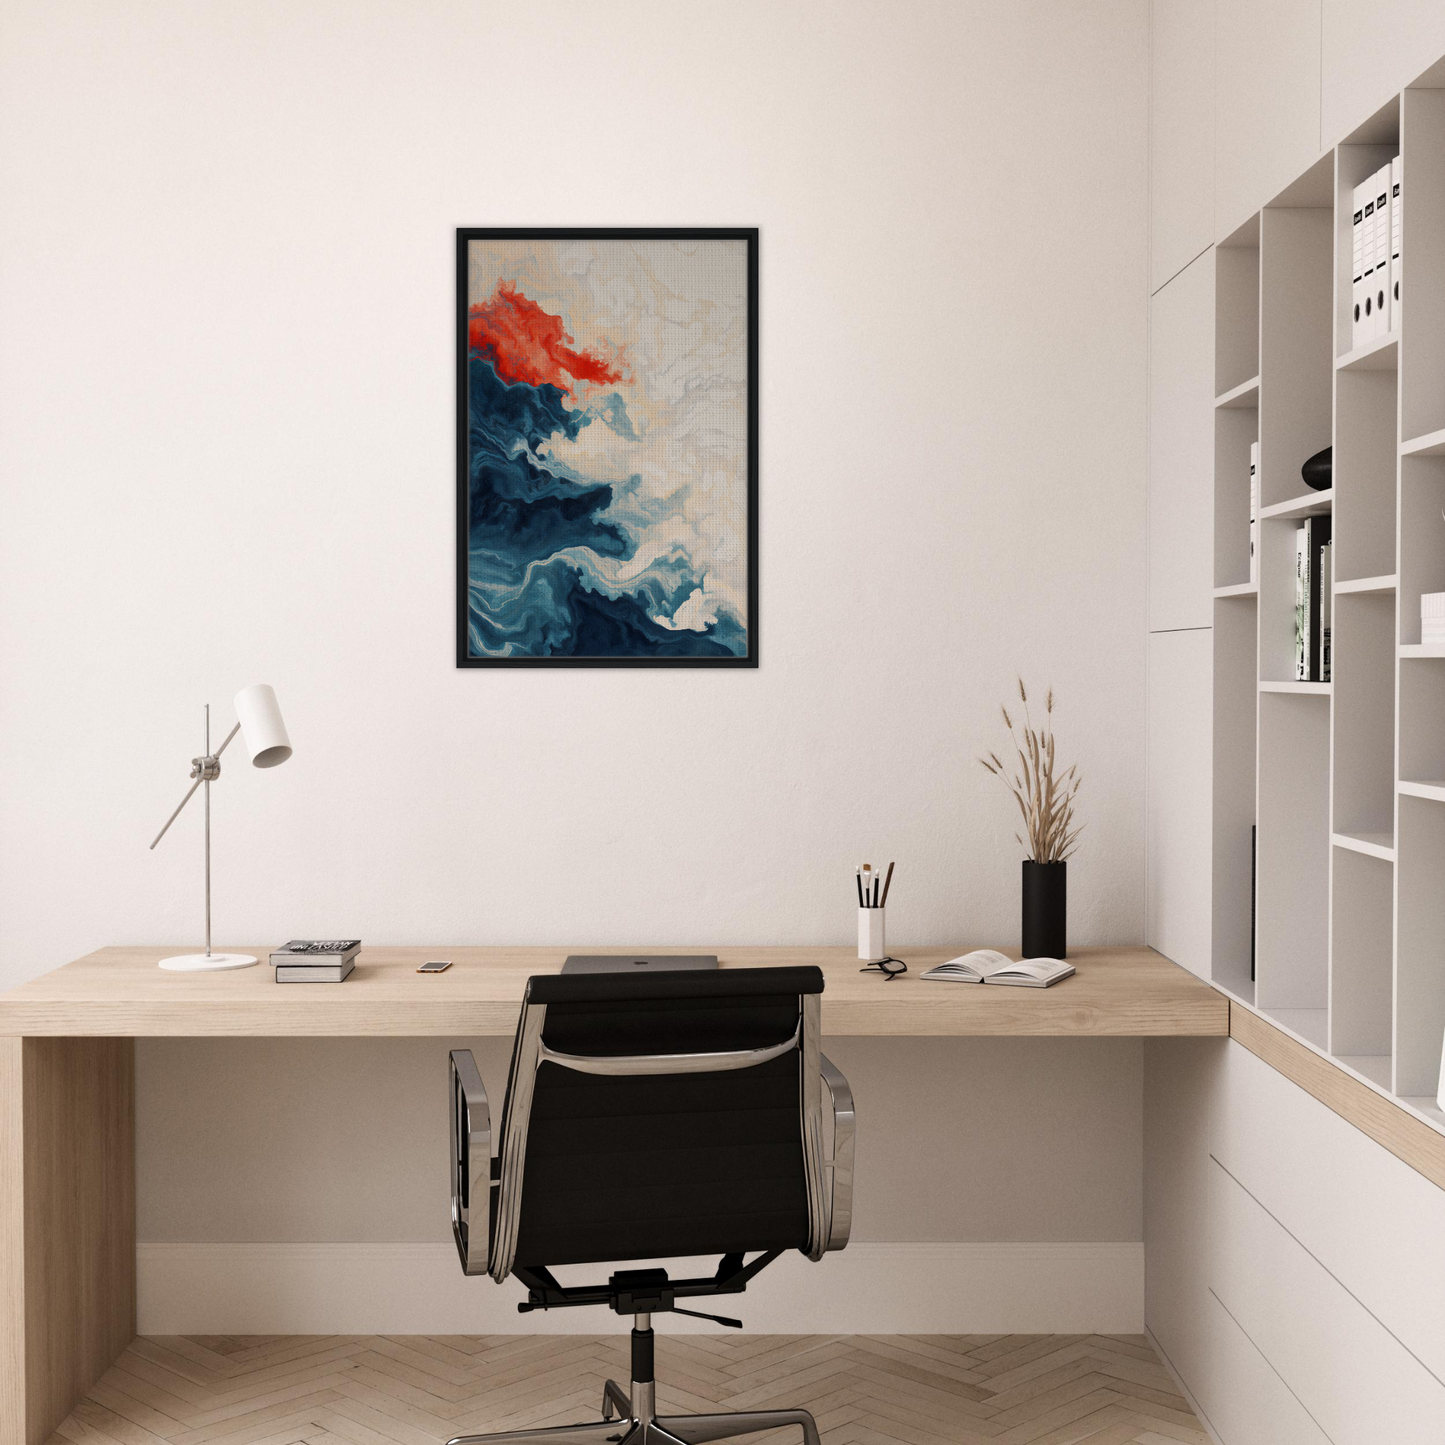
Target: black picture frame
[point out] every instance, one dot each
(468, 234)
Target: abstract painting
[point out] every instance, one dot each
(607, 448)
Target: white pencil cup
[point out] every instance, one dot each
(871, 946)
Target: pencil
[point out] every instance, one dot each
(887, 883)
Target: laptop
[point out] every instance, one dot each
(637, 962)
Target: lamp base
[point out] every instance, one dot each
(206, 962)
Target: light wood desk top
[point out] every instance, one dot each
(119, 992)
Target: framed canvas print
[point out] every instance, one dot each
(607, 448)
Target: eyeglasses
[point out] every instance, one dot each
(890, 968)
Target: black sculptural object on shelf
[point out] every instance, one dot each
(1319, 471)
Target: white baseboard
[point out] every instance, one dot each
(307, 1289)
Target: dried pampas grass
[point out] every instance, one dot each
(1046, 801)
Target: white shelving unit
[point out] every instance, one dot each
(1344, 781)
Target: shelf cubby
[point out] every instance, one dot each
(1422, 721)
(1364, 703)
(1294, 852)
(1296, 324)
(1422, 537)
(1236, 313)
(1356, 160)
(1420, 962)
(1365, 459)
(1235, 429)
(1277, 603)
(1362, 902)
(1422, 254)
(1236, 706)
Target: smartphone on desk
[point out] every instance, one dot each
(435, 965)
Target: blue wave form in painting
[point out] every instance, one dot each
(535, 536)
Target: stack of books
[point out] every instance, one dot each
(315, 960)
(1432, 618)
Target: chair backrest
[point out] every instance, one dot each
(664, 1115)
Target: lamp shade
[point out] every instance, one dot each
(262, 730)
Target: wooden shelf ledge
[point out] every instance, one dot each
(1391, 1121)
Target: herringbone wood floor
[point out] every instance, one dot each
(418, 1390)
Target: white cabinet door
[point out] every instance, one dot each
(1181, 450)
(1246, 1401)
(1358, 1382)
(1366, 1216)
(1370, 52)
(1181, 134)
(1178, 902)
(1266, 102)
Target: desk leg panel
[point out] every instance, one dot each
(67, 1211)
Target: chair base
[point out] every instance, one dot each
(641, 1427)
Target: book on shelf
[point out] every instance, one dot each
(1310, 612)
(988, 965)
(1396, 227)
(1301, 606)
(314, 972)
(1254, 513)
(1326, 606)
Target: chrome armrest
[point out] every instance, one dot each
(840, 1166)
(471, 1126)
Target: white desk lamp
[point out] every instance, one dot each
(258, 720)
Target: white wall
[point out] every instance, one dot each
(226, 369)
(226, 456)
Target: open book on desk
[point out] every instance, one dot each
(987, 965)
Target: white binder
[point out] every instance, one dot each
(1357, 268)
(1367, 324)
(1396, 224)
(1382, 251)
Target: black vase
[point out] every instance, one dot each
(1319, 471)
(1046, 909)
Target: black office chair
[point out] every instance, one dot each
(650, 1117)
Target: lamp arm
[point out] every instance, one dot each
(204, 769)
(177, 813)
(227, 743)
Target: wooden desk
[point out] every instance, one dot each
(67, 1091)
(119, 992)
